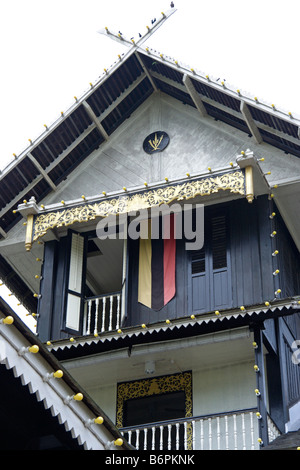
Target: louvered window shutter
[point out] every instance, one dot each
(219, 242)
(74, 290)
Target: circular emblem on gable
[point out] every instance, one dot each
(156, 142)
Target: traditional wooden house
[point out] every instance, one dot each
(184, 345)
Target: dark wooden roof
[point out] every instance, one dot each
(288, 441)
(26, 423)
(108, 103)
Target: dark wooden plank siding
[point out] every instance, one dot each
(246, 280)
(251, 252)
(52, 302)
(288, 259)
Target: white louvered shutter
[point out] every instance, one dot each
(75, 283)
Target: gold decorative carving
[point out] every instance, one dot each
(29, 229)
(249, 184)
(157, 386)
(233, 181)
(156, 142)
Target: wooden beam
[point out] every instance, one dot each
(261, 386)
(250, 122)
(42, 171)
(224, 108)
(71, 147)
(194, 95)
(125, 93)
(150, 30)
(95, 120)
(19, 196)
(146, 71)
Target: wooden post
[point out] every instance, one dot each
(261, 385)
(29, 230)
(249, 183)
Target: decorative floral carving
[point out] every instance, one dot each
(233, 181)
(157, 386)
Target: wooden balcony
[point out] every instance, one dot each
(237, 430)
(102, 313)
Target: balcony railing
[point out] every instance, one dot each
(229, 431)
(102, 313)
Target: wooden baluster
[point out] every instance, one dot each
(218, 434)
(169, 436)
(88, 329)
(209, 434)
(201, 434)
(177, 436)
(103, 314)
(129, 437)
(193, 435)
(111, 299)
(234, 432)
(243, 431)
(96, 316)
(185, 435)
(118, 312)
(252, 431)
(145, 438)
(161, 438)
(137, 442)
(226, 433)
(153, 438)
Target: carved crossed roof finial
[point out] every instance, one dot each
(155, 24)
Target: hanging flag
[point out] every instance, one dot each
(156, 283)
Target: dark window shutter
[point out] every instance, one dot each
(198, 261)
(219, 242)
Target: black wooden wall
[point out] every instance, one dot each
(250, 265)
(240, 275)
(51, 306)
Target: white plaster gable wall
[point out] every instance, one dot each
(195, 144)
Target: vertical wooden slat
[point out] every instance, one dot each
(96, 316)
(194, 437)
(161, 437)
(235, 432)
(118, 312)
(153, 438)
(209, 434)
(177, 436)
(226, 433)
(103, 314)
(201, 434)
(169, 437)
(88, 329)
(243, 431)
(218, 434)
(111, 299)
(185, 435)
(137, 442)
(252, 431)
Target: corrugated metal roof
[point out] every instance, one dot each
(184, 326)
(34, 371)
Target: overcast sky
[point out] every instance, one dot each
(51, 51)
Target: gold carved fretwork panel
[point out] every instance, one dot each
(233, 181)
(157, 386)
